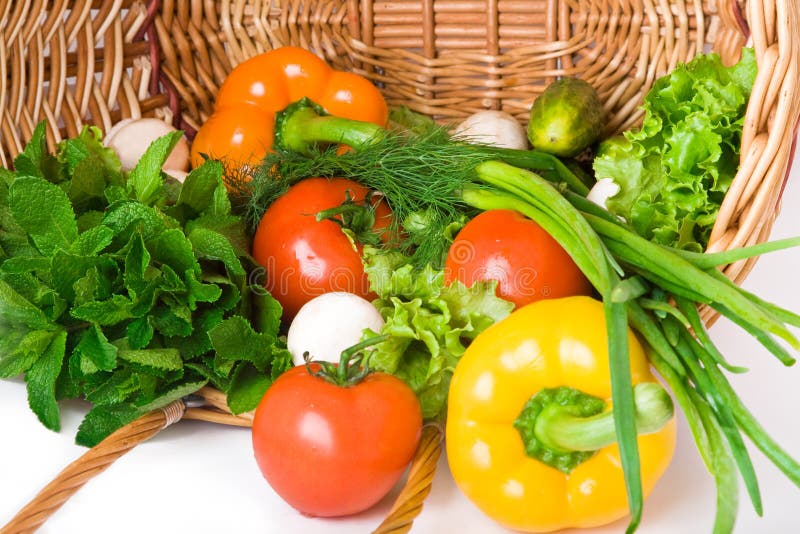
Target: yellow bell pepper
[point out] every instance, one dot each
(530, 435)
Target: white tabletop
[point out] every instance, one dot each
(202, 478)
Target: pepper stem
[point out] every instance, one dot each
(561, 430)
(564, 427)
(304, 124)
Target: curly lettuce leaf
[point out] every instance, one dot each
(429, 324)
(674, 171)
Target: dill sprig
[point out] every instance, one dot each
(420, 175)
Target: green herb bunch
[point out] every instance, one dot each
(127, 289)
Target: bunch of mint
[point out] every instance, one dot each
(128, 290)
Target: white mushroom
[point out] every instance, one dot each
(330, 323)
(496, 128)
(131, 137)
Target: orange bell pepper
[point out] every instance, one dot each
(240, 130)
(530, 437)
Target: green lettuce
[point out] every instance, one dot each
(674, 171)
(429, 324)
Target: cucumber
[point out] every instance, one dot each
(566, 118)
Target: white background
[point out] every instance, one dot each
(202, 478)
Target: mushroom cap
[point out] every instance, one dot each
(131, 137)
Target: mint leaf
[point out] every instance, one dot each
(88, 184)
(145, 179)
(125, 216)
(25, 264)
(173, 394)
(103, 420)
(211, 245)
(199, 187)
(88, 288)
(17, 310)
(95, 346)
(17, 362)
(136, 262)
(266, 310)
(89, 219)
(105, 312)
(170, 281)
(199, 343)
(230, 226)
(281, 361)
(174, 249)
(235, 340)
(246, 388)
(41, 382)
(140, 333)
(119, 387)
(116, 194)
(68, 268)
(231, 296)
(29, 161)
(173, 321)
(221, 204)
(34, 160)
(44, 211)
(20, 350)
(200, 292)
(92, 241)
(37, 293)
(111, 262)
(150, 360)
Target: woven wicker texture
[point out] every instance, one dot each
(71, 63)
(76, 62)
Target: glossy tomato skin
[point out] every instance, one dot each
(329, 450)
(303, 258)
(527, 262)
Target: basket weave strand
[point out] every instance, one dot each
(76, 62)
(400, 518)
(88, 466)
(408, 503)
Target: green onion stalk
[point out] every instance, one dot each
(424, 173)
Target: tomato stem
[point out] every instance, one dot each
(349, 371)
(357, 217)
(564, 427)
(304, 124)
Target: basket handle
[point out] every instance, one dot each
(409, 501)
(92, 463)
(400, 519)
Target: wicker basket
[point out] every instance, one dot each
(73, 62)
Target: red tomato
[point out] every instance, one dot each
(329, 450)
(304, 258)
(527, 262)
